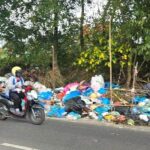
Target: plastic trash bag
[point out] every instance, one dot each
(97, 82)
(87, 92)
(56, 111)
(71, 87)
(71, 95)
(45, 95)
(105, 101)
(100, 110)
(73, 116)
(138, 99)
(75, 105)
(102, 91)
(114, 86)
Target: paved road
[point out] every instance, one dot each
(61, 135)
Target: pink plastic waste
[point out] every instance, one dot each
(70, 87)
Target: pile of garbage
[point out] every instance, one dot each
(92, 100)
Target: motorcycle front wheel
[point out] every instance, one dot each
(37, 116)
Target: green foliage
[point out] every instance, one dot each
(97, 54)
(130, 36)
(31, 34)
(29, 28)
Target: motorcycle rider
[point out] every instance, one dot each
(14, 86)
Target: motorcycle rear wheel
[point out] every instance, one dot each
(2, 111)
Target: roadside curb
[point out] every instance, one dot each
(104, 124)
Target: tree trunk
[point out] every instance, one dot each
(57, 77)
(81, 25)
(129, 72)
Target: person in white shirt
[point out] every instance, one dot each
(14, 86)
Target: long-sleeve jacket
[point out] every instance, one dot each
(12, 83)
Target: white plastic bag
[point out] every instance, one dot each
(97, 82)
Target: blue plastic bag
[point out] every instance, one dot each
(107, 85)
(102, 91)
(135, 110)
(87, 92)
(71, 95)
(56, 111)
(138, 99)
(100, 110)
(105, 101)
(45, 95)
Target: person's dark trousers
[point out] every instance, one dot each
(16, 98)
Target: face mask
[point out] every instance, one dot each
(18, 74)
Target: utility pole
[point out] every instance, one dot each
(110, 59)
(135, 72)
(53, 67)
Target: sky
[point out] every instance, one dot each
(92, 9)
(2, 42)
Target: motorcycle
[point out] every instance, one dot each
(33, 110)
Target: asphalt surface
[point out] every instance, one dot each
(62, 135)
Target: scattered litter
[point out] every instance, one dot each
(78, 100)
